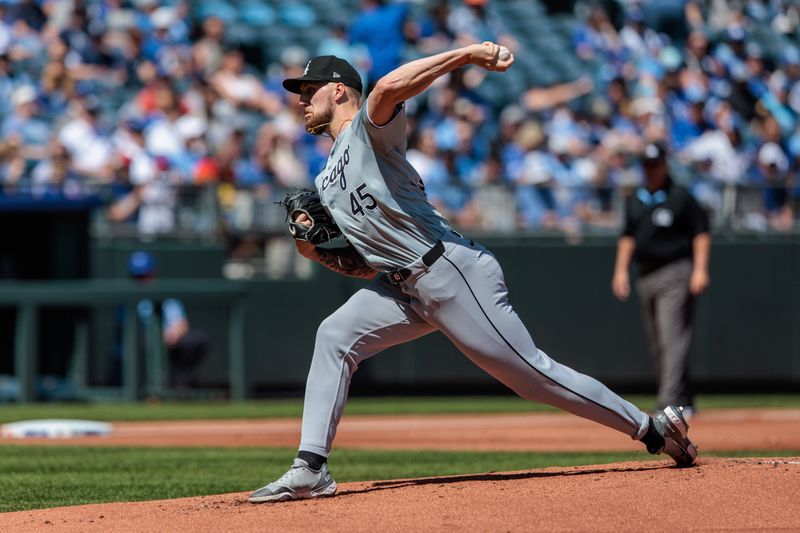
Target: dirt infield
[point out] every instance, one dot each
(719, 430)
(719, 494)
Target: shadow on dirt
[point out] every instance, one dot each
(501, 476)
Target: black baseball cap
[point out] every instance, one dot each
(654, 151)
(326, 68)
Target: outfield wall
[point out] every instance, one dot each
(747, 335)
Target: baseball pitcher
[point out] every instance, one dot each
(424, 276)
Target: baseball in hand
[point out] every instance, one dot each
(504, 54)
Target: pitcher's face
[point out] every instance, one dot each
(316, 99)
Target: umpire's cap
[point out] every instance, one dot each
(326, 68)
(141, 265)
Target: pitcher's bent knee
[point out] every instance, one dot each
(334, 337)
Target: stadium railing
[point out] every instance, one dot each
(28, 297)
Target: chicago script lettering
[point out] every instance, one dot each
(338, 172)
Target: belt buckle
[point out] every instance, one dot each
(396, 277)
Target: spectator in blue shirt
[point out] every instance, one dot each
(25, 124)
(186, 346)
(255, 171)
(381, 26)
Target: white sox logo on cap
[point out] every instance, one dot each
(326, 68)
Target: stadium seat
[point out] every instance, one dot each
(218, 8)
(255, 13)
(297, 15)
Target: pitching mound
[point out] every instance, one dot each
(718, 494)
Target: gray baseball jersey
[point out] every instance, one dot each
(376, 197)
(378, 201)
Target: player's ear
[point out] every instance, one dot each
(340, 93)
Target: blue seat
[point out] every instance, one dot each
(297, 15)
(206, 8)
(256, 13)
(242, 33)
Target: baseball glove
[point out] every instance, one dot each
(323, 228)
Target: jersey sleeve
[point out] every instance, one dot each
(629, 226)
(173, 312)
(390, 136)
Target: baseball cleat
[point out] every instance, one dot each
(672, 425)
(299, 482)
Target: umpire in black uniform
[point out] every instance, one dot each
(666, 233)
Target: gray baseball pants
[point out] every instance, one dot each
(668, 314)
(463, 294)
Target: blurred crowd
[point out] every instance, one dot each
(719, 84)
(138, 101)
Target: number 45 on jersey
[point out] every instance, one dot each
(360, 200)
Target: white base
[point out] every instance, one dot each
(54, 429)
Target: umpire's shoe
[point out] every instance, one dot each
(299, 482)
(671, 424)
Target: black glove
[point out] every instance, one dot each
(323, 228)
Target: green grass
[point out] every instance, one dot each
(355, 406)
(48, 476)
(43, 476)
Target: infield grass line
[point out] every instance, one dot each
(174, 410)
(35, 477)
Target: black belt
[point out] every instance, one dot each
(395, 277)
